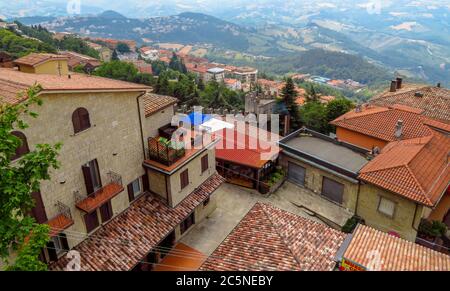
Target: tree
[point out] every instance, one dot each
(313, 116)
(311, 94)
(114, 56)
(18, 180)
(117, 70)
(336, 108)
(123, 48)
(288, 97)
(176, 64)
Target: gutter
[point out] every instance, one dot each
(140, 121)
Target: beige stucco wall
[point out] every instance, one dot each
(195, 177)
(158, 183)
(152, 123)
(50, 67)
(403, 221)
(314, 177)
(114, 140)
(201, 212)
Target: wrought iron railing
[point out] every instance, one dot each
(112, 178)
(63, 209)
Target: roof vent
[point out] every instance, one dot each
(399, 129)
(376, 151)
(418, 94)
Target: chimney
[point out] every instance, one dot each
(358, 108)
(393, 86)
(438, 85)
(399, 83)
(399, 129)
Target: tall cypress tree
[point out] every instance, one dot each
(289, 96)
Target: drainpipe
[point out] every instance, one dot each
(140, 123)
(414, 218)
(357, 198)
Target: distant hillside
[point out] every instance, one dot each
(19, 46)
(183, 28)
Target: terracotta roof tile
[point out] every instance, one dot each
(13, 82)
(271, 239)
(244, 148)
(435, 101)
(127, 238)
(154, 102)
(417, 169)
(395, 254)
(380, 122)
(34, 59)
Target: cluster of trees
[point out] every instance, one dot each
(18, 46)
(123, 71)
(19, 232)
(70, 43)
(313, 114)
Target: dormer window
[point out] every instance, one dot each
(23, 149)
(80, 120)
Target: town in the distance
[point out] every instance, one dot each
(120, 154)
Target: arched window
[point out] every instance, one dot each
(23, 148)
(80, 120)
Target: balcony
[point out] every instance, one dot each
(60, 221)
(88, 203)
(165, 151)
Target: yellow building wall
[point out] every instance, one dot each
(441, 209)
(406, 218)
(359, 139)
(114, 140)
(51, 67)
(196, 177)
(314, 177)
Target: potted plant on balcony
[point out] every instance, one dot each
(431, 231)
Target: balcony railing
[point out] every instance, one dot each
(62, 220)
(96, 199)
(164, 151)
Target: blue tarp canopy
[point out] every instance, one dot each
(196, 118)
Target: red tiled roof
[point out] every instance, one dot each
(435, 101)
(417, 169)
(271, 239)
(154, 102)
(13, 82)
(127, 238)
(395, 254)
(244, 148)
(380, 122)
(35, 59)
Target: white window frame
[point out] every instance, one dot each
(389, 201)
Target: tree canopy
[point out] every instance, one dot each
(19, 179)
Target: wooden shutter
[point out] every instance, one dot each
(184, 178)
(23, 148)
(76, 121)
(87, 179)
(64, 242)
(38, 211)
(130, 192)
(106, 211)
(84, 119)
(145, 183)
(91, 221)
(51, 249)
(205, 164)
